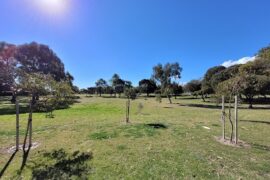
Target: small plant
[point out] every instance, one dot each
(158, 98)
(140, 108)
(131, 94)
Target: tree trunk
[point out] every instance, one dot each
(230, 118)
(250, 101)
(169, 99)
(250, 106)
(13, 98)
(203, 97)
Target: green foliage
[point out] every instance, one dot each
(8, 67)
(147, 86)
(164, 75)
(101, 85)
(264, 53)
(53, 94)
(176, 89)
(118, 84)
(207, 87)
(131, 93)
(39, 58)
(193, 86)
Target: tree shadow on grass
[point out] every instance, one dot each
(7, 164)
(261, 147)
(60, 165)
(208, 106)
(255, 121)
(157, 125)
(11, 111)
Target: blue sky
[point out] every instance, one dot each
(96, 38)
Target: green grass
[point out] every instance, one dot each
(164, 141)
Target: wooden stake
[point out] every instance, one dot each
(17, 125)
(127, 111)
(30, 125)
(223, 118)
(236, 119)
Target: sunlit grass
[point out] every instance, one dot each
(183, 148)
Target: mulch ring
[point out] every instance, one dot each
(228, 142)
(13, 148)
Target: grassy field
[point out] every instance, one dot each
(163, 141)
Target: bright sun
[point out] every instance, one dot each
(54, 7)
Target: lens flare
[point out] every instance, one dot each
(53, 7)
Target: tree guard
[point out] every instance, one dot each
(234, 131)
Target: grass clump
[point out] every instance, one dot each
(103, 135)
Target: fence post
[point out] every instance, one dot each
(17, 124)
(236, 119)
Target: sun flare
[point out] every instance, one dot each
(53, 6)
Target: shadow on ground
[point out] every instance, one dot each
(255, 121)
(157, 125)
(59, 164)
(7, 164)
(261, 147)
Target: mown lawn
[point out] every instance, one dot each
(163, 141)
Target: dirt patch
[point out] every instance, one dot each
(13, 148)
(227, 142)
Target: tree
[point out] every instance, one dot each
(8, 69)
(254, 80)
(109, 90)
(34, 84)
(69, 78)
(164, 74)
(250, 87)
(91, 90)
(176, 89)
(147, 86)
(193, 86)
(39, 58)
(54, 95)
(207, 87)
(118, 84)
(264, 53)
(223, 75)
(101, 84)
(228, 89)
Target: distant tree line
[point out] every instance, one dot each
(162, 83)
(246, 80)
